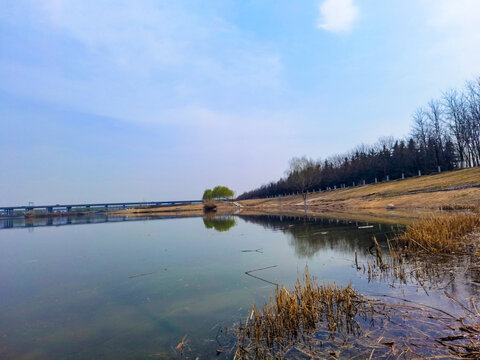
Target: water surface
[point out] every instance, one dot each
(134, 289)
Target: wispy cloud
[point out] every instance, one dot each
(138, 60)
(337, 15)
(457, 23)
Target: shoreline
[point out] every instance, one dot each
(394, 201)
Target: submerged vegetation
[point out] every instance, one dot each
(293, 317)
(327, 321)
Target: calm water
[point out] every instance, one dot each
(134, 289)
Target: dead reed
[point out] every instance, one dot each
(431, 252)
(436, 253)
(291, 317)
(440, 234)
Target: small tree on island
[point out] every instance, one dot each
(302, 173)
(207, 195)
(218, 192)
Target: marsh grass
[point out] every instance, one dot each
(291, 317)
(433, 253)
(440, 234)
(319, 321)
(313, 321)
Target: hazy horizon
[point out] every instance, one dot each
(153, 100)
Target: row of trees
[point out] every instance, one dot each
(218, 192)
(445, 135)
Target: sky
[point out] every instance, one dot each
(150, 100)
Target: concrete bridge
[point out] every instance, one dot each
(9, 210)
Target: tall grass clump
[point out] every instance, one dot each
(294, 316)
(440, 234)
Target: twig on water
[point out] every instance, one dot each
(259, 278)
(268, 267)
(254, 250)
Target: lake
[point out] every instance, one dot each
(134, 289)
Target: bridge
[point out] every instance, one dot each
(9, 210)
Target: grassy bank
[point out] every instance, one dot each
(404, 198)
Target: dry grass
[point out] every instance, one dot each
(432, 253)
(429, 252)
(405, 195)
(321, 321)
(290, 317)
(326, 321)
(445, 234)
(177, 210)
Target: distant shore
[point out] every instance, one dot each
(187, 209)
(397, 201)
(410, 198)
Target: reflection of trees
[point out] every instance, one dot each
(310, 235)
(219, 223)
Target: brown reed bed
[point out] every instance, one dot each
(313, 321)
(429, 250)
(327, 321)
(436, 253)
(291, 317)
(440, 234)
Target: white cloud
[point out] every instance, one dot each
(337, 15)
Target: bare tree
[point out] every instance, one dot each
(457, 118)
(473, 101)
(436, 130)
(420, 127)
(302, 174)
(446, 133)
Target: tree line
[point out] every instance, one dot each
(445, 135)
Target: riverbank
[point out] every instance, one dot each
(398, 201)
(409, 198)
(223, 208)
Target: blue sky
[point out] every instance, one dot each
(158, 100)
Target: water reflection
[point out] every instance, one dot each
(136, 288)
(20, 222)
(219, 223)
(308, 236)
